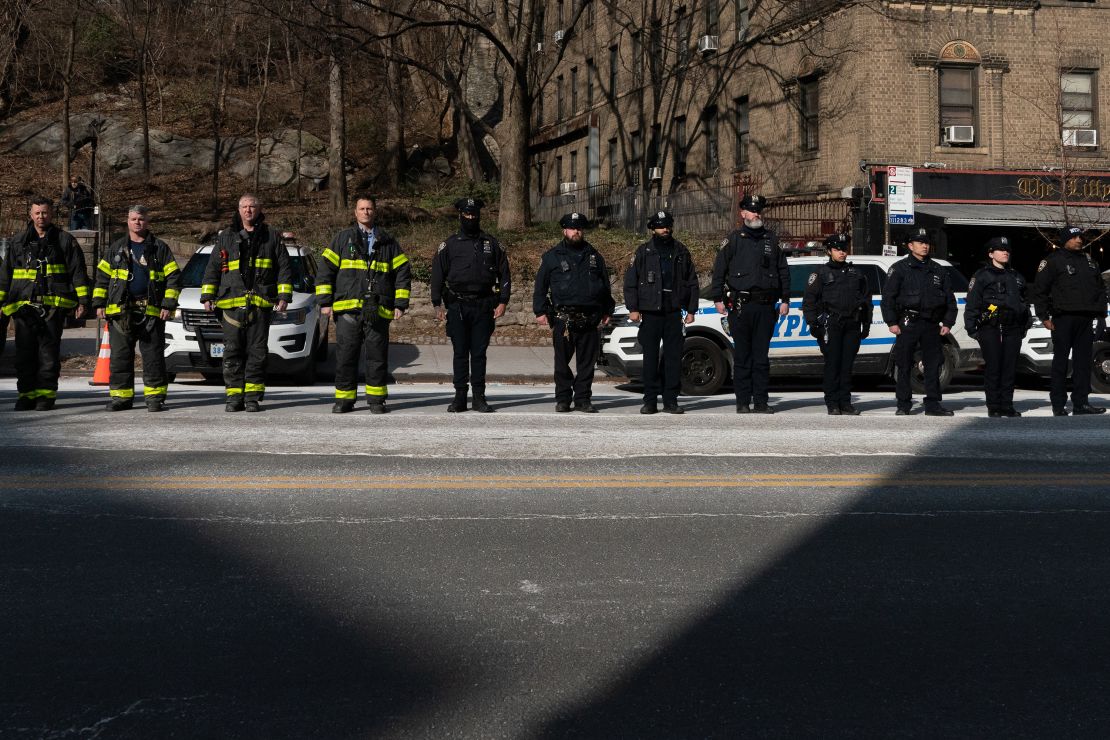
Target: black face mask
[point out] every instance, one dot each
(470, 226)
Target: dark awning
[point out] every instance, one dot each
(1043, 216)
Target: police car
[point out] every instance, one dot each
(298, 335)
(707, 353)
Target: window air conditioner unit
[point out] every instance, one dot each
(708, 43)
(539, 48)
(559, 36)
(567, 188)
(655, 173)
(1080, 137)
(959, 134)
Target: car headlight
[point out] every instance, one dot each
(292, 316)
(1037, 323)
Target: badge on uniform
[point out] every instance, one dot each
(486, 248)
(812, 278)
(593, 260)
(442, 246)
(936, 280)
(142, 260)
(1044, 264)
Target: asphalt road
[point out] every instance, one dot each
(529, 574)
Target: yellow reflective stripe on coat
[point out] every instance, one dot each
(100, 292)
(12, 308)
(155, 390)
(171, 293)
(285, 288)
(21, 274)
(104, 267)
(346, 395)
(122, 393)
(113, 309)
(54, 268)
(379, 266)
(399, 260)
(3, 295)
(323, 290)
(254, 387)
(353, 265)
(400, 293)
(331, 256)
(385, 313)
(239, 302)
(82, 291)
(263, 262)
(233, 264)
(207, 289)
(170, 268)
(376, 390)
(58, 302)
(347, 305)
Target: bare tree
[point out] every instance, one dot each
(337, 151)
(67, 95)
(14, 33)
(263, 88)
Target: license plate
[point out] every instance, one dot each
(216, 350)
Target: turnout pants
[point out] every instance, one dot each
(1073, 336)
(38, 348)
(1001, 346)
(926, 335)
(840, 348)
(470, 325)
(751, 328)
(354, 337)
(585, 343)
(246, 352)
(661, 374)
(152, 347)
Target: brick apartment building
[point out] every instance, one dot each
(995, 104)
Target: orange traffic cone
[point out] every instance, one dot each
(103, 371)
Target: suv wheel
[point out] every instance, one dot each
(1100, 370)
(703, 367)
(917, 370)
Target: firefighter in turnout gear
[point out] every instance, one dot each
(997, 316)
(919, 306)
(42, 279)
(573, 297)
(247, 278)
(470, 288)
(364, 282)
(837, 307)
(659, 285)
(750, 276)
(1070, 297)
(136, 290)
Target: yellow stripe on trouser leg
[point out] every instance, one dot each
(46, 393)
(234, 391)
(122, 393)
(255, 387)
(155, 390)
(345, 395)
(376, 391)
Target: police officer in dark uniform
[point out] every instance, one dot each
(837, 307)
(659, 285)
(997, 316)
(1070, 296)
(919, 306)
(470, 274)
(749, 277)
(573, 297)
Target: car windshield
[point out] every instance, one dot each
(193, 274)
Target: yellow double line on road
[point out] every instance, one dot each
(216, 484)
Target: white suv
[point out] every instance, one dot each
(707, 354)
(298, 335)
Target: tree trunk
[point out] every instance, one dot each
(67, 94)
(265, 86)
(13, 35)
(337, 152)
(395, 123)
(143, 105)
(514, 212)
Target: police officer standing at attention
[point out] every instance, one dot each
(470, 274)
(996, 316)
(247, 278)
(1069, 295)
(365, 281)
(137, 285)
(837, 307)
(43, 277)
(749, 276)
(919, 306)
(659, 285)
(573, 297)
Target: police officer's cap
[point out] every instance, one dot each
(1070, 232)
(574, 221)
(753, 203)
(661, 220)
(921, 235)
(998, 243)
(470, 205)
(837, 241)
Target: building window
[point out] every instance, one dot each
(636, 149)
(712, 17)
(559, 169)
(614, 61)
(588, 12)
(591, 73)
(539, 110)
(613, 162)
(712, 142)
(539, 177)
(653, 159)
(958, 99)
(573, 90)
(655, 60)
(742, 18)
(680, 146)
(809, 105)
(559, 112)
(637, 59)
(683, 30)
(742, 129)
(574, 166)
(560, 16)
(1077, 100)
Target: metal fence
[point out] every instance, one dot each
(696, 211)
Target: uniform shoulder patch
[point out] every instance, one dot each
(890, 271)
(442, 246)
(812, 278)
(971, 284)
(724, 243)
(1044, 264)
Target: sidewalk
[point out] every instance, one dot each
(429, 363)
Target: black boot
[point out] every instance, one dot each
(459, 404)
(480, 404)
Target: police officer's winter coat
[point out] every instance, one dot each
(348, 274)
(243, 262)
(1069, 282)
(570, 277)
(111, 292)
(750, 260)
(53, 275)
(471, 266)
(1003, 288)
(643, 282)
(838, 290)
(922, 286)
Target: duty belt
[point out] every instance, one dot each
(577, 318)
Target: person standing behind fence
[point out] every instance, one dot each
(78, 198)
(659, 285)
